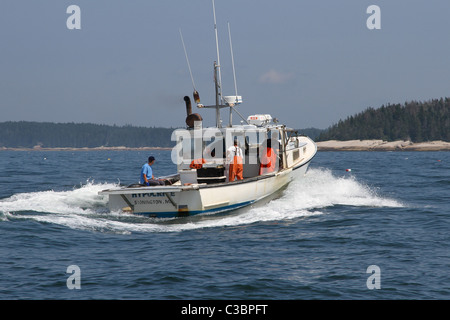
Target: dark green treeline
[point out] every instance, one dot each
(414, 121)
(53, 135)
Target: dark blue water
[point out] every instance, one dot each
(315, 240)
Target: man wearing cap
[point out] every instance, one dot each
(147, 177)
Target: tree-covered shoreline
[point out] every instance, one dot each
(25, 134)
(413, 121)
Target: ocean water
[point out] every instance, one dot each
(316, 239)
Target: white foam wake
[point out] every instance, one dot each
(80, 200)
(320, 188)
(82, 208)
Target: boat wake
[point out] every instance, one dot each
(83, 209)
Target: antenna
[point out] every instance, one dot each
(196, 95)
(230, 101)
(232, 62)
(218, 56)
(234, 76)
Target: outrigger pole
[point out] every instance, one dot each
(196, 95)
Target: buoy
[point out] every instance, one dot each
(109, 159)
(348, 170)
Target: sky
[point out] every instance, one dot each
(308, 63)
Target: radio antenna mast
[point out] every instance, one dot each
(218, 56)
(196, 95)
(234, 76)
(232, 61)
(230, 101)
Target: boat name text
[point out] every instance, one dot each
(152, 194)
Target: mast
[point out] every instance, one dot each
(219, 79)
(217, 75)
(234, 76)
(218, 82)
(217, 87)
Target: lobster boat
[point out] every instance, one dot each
(272, 155)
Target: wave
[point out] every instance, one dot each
(82, 208)
(320, 188)
(81, 200)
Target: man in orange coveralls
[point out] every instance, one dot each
(268, 159)
(234, 157)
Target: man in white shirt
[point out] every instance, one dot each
(234, 159)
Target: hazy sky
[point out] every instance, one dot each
(307, 62)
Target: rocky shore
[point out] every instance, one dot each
(380, 145)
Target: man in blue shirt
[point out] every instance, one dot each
(147, 177)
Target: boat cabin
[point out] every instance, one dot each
(201, 153)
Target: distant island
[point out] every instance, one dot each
(24, 134)
(413, 121)
(382, 145)
(411, 126)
